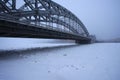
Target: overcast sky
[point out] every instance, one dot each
(101, 17)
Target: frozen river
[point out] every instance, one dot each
(100, 61)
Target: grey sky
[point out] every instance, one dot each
(101, 17)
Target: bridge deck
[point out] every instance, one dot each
(13, 29)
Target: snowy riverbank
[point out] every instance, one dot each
(28, 43)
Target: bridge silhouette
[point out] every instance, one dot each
(40, 19)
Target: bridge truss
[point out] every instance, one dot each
(45, 13)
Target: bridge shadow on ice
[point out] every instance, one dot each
(16, 54)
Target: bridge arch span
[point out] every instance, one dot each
(44, 13)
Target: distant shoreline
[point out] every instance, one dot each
(107, 41)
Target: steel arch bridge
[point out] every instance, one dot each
(40, 19)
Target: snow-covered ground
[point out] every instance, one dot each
(81, 62)
(27, 43)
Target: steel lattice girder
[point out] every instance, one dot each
(43, 8)
(8, 5)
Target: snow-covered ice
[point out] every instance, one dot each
(27, 43)
(100, 61)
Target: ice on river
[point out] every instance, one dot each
(100, 61)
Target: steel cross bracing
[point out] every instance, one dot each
(45, 13)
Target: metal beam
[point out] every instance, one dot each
(36, 11)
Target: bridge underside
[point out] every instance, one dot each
(11, 29)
